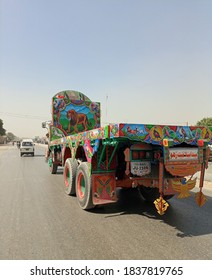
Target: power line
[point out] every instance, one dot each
(16, 115)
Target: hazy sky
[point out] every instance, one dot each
(152, 58)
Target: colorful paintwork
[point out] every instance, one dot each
(77, 118)
(95, 134)
(73, 112)
(113, 153)
(183, 187)
(154, 134)
(89, 149)
(104, 188)
(56, 133)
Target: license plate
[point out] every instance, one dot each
(140, 168)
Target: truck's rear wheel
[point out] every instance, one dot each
(69, 175)
(150, 194)
(84, 186)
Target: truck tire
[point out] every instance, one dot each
(52, 165)
(84, 187)
(69, 175)
(150, 194)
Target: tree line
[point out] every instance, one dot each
(9, 135)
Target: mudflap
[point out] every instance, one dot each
(104, 188)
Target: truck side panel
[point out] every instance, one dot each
(154, 134)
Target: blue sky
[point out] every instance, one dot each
(152, 58)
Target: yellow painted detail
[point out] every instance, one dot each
(200, 198)
(161, 205)
(183, 188)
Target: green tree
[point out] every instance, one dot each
(205, 121)
(11, 136)
(2, 130)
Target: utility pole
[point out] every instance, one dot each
(106, 108)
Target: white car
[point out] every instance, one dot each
(27, 147)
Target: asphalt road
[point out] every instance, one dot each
(39, 221)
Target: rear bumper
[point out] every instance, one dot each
(27, 150)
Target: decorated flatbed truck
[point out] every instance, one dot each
(159, 160)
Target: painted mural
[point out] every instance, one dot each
(155, 134)
(73, 112)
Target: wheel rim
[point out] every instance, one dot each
(49, 162)
(81, 186)
(67, 176)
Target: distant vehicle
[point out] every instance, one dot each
(18, 143)
(27, 147)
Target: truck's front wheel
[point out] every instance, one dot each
(69, 175)
(52, 165)
(84, 186)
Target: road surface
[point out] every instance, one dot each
(39, 221)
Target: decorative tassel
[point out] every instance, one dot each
(161, 205)
(200, 198)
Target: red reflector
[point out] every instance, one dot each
(165, 142)
(60, 96)
(200, 142)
